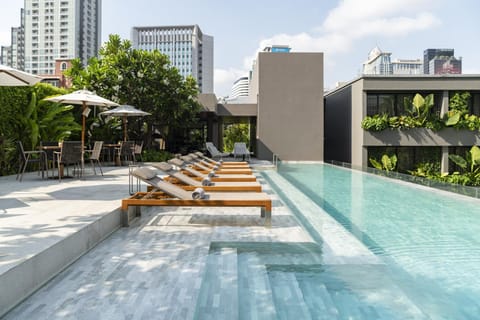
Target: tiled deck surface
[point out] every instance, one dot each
(152, 270)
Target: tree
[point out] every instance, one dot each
(144, 79)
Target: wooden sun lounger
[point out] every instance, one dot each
(188, 183)
(171, 195)
(204, 169)
(217, 178)
(224, 163)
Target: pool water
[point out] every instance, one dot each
(429, 240)
(426, 246)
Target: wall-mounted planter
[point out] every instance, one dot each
(421, 137)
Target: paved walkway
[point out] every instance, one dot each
(155, 269)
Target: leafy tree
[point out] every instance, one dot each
(145, 80)
(238, 132)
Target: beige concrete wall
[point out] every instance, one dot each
(359, 111)
(290, 106)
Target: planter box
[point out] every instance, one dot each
(421, 137)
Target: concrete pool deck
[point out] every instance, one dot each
(151, 270)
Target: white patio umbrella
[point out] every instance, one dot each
(10, 77)
(125, 111)
(85, 98)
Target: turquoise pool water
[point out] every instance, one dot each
(429, 240)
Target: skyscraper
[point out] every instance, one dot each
(14, 54)
(60, 29)
(439, 61)
(188, 48)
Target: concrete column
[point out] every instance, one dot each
(219, 142)
(444, 160)
(443, 110)
(253, 135)
(445, 102)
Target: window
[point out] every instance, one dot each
(63, 66)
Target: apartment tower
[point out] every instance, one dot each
(188, 48)
(60, 29)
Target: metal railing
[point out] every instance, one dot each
(456, 188)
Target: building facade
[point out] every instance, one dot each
(441, 61)
(188, 49)
(14, 54)
(347, 106)
(240, 88)
(60, 29)
(404, 66)
(378, 62)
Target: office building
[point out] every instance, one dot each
(407, 66)
(441, 61)
(240, 88)
(188, 48)
(60, 29)
(378, 62)
(369, 95)
(14, 54)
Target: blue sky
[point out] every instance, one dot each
(344, 30)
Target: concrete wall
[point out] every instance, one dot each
(422, 137)
(290, 106)
(338, 129)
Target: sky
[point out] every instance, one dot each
(345, 31)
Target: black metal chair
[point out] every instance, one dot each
(71, 154)
(26, 157)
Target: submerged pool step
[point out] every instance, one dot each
(289, 298)
(218, 298)
(254, 289)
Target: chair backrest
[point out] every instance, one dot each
(168, 169)
(21, 151)
(97, 149)
(212, 149)
(149, 176)
(71, 152)
(138, 148)
(127, 148)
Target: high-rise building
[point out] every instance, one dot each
(14, 54)
(440, 61)
(407, 66)
(240, 88)
(60, 29)
(188, 48)
(378, 62)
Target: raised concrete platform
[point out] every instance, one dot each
(45, 225)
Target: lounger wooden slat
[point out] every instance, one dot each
(130, 206)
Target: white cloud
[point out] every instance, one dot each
(347, 24)
(224, 79)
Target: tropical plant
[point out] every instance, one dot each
(470, 164)
(458, 107)
(377, 122)
(238, 132)
(145, 80)
(387, 163)
(429, 170)
(419, 108)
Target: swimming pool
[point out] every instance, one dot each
(429, 240)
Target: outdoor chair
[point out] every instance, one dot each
(188, 183)
(95, 156)
(49, 147)
(240, 149)
(127, 152)
(137, 151)
(167, 194)
(70, 154)
(27, 157)
(214, 152)
(214, 176)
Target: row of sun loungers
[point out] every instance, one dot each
(198, 181)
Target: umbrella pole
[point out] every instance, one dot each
(82, 160)
(124, 128)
